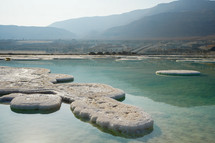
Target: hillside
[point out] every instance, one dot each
(24, 32)
(177, 19)
(92, 27)
(169, 25)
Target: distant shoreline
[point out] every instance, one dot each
(25, 57)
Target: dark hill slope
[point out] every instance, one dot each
(93, 26)
(184, 24)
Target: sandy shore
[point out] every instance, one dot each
(117, 57)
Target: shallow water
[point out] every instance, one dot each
(182, 107)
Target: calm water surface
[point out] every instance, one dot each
(183, 108)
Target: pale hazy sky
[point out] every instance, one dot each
(45, 12)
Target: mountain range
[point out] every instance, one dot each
(182, 18)
(30, 32)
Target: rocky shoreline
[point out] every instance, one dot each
(36, 90)
(178, 58)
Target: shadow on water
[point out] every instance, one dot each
(34, 111)
(182, 91)
(121, 134)
(155, 133)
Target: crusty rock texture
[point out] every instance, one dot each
(113, 116)
(8, 98)
(19, 80)
(35, 90)
(77, 91)
(60, 78)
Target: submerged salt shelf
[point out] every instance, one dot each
(35, 103)
(197, 60)
(178, 72)
(24, 89)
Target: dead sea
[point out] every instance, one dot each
(181, 107)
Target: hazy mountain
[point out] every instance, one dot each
(187, 18)
(92, 27)
(181, 18)
(24, 32)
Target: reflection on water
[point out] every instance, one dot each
(177, 91)
(36, 111)
(182, 107)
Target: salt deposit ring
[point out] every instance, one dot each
(36, 102)
(60, 78)
(178, 72)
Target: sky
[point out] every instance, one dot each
(45, 12)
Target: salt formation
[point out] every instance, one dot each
(35, 90)
(178, 72)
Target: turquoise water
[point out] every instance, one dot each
(183, 108)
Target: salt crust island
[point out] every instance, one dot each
(35, 90)
(178, 72)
